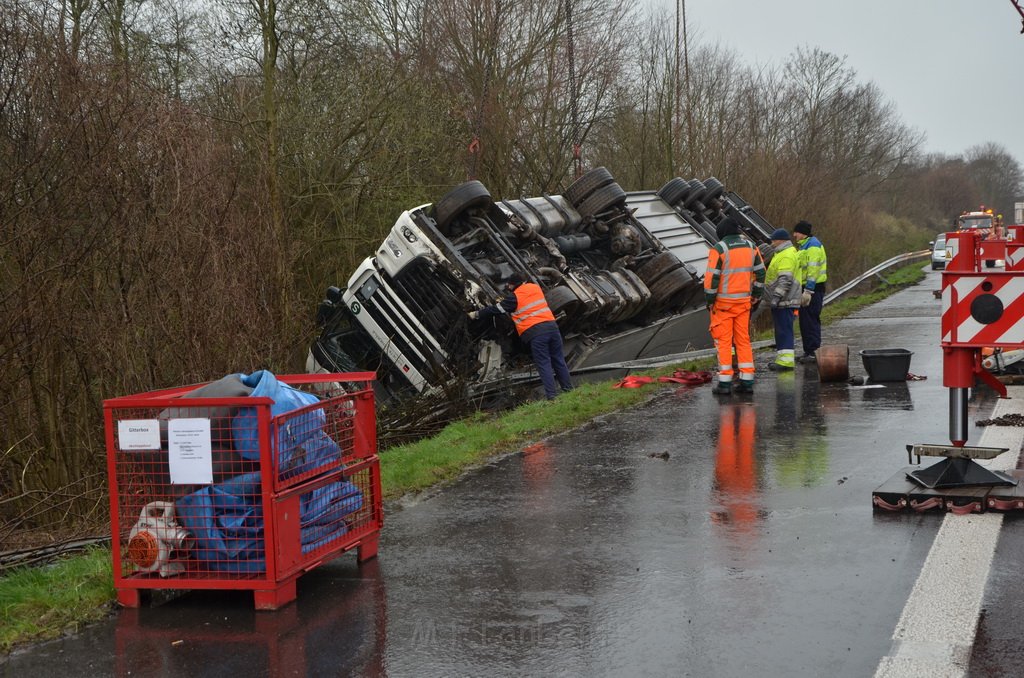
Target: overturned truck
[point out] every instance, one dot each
(622, 271)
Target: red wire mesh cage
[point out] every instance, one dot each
(214, 491)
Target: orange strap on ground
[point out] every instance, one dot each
(678, 377)
(633, 382)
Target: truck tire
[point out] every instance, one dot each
(601, 200)
(587, 184)
(671, 290)
(715, 189)
(658, 266)
(697, 192)
(561, 299)
(674, 191)
(456, 201)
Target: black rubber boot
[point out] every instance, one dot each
(722, 388)
(745, 386)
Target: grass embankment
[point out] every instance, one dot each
(894, 281)
(463, 444)
(41, 603)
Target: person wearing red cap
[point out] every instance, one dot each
(536, 326)
(814, 273)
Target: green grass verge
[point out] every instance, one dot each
(894, 281)
(43, 603)
(891, 283)
(463, 444)
(38, 603)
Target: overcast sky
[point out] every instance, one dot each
(954, 68)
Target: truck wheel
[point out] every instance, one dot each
(601, 200)
(715, 189)
(587, 184)
(456, 201)
(697, 192)
(674, 191)
(657, 266)
(671, 290)
(563, 300)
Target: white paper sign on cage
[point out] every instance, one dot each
(138, 434)
(189, 451)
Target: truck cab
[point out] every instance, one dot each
(982, 221)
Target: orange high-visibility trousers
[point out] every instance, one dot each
(730, 325)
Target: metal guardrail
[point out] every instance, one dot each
(661, 361)
(895, 261)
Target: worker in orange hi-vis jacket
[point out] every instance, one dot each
(733, 285)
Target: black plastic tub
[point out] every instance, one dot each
(886, 364)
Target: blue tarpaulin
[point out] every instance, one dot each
(301, 445)
(226, 520)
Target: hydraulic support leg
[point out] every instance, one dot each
(958, 425)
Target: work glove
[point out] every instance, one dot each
(474, 315)
(805, 297)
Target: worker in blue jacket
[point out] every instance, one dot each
(814, 273)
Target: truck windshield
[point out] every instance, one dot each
(975, 222)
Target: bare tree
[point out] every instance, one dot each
(996, 174)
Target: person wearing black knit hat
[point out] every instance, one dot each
(733, 284)
(814, 273)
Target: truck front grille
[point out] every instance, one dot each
(431, 296)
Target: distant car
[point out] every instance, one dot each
(939, 253)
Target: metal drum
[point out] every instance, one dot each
(833, 362)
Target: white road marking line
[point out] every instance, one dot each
(935, 633)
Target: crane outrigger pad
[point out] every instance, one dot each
(958, 472)
(901, 493)
(959, 468)
(952, 451)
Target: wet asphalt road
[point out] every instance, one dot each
(751, 549)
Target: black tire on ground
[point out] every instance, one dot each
(715, 189)
(674, 191)
(601, 200)
(456, 201)
(657, 266)
(587, 184)
(935, 267)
